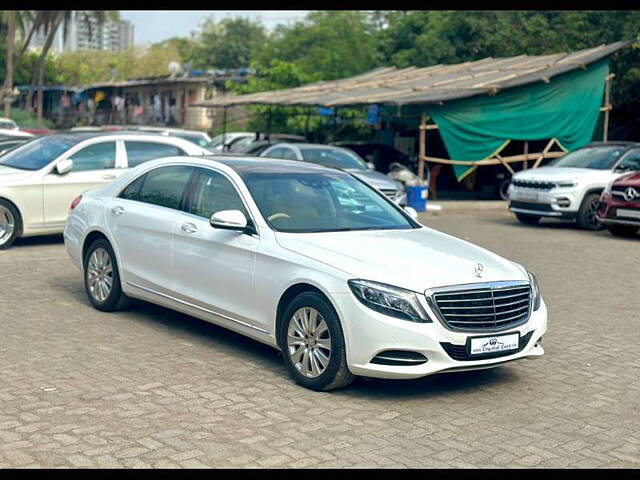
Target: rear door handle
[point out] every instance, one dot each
(189, 228)
(117, 210)
(108, 177)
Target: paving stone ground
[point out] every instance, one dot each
(154, 388)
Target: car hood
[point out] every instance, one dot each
(414, 259)
(629, 180)
(376, 179)
(559, 174)
(8, 174)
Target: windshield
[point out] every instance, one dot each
(200, 140)
(38, 153)
(7, 124)
(332, 157)
(321, 202)
(598, 158)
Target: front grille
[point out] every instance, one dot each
(486, 307)
(540, 207)
(533, 185)
(619, 191)
(459, 352)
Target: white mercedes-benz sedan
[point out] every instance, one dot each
(39, 178)
(308, 259)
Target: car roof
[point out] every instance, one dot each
(244, 164)
(614, 143)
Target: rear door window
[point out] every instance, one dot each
(140, 152)
(164, 186)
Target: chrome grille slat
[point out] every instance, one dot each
(497, 307)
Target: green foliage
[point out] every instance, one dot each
(26, 120)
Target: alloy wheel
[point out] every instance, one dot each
(592, 221)
(309, 342)
(7, 224)
(100, 274)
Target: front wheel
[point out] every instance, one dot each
(312, 344)
(587, 219)
(102, 278)
(9, 224)
(623, 230)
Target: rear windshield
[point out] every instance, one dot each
(38, 153)
(597, 158)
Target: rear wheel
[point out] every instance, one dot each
(9, 224)
(587, 219)
(527, 219)
(312, 343)
(102, 278)
(623, 230)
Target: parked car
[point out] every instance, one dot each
(569, 187)
(619, 209)
(8, 124)
(39, 179)
(309, 260)
(198, 137)
(220, 143)
(8, 134)
(6, 145)
(247, 144)
(38, 131)
(381, 155)
(338, 157)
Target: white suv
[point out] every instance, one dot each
(570, 187)
(38, 180)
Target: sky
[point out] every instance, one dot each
(155, 26)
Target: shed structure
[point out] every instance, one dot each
(477, 106)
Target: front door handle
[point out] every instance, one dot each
(189, 228)
(117, 210)
(106, 176)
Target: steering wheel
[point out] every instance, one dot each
(276, 216)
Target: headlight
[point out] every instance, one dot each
(535, 291)
(392, 301)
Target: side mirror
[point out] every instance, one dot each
(229, 220)
(412, 212)
(370, 166)
(63, 167)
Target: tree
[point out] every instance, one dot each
(230, 43)
(10, 18)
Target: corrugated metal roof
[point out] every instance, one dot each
(435, 84)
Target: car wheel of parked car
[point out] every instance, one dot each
(622, 230)
(312, 343)
(587, 214)
(102, 279)
(9, 224)
(527, 219)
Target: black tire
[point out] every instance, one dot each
(503, 186)
(17, 224)
(623, 230)
(336, 374)
(116, 299)
(586, 218)
(527, 219)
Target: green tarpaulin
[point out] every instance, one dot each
(566, 108)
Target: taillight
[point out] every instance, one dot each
(75, 203)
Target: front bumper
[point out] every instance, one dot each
(368, 333)
(557, 202)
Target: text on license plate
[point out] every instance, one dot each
(525, 195)
(624, 212)
(501, 343)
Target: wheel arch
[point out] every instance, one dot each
(89, 239)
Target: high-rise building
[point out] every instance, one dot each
(84, 33)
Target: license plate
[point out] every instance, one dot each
(525, 196)
(625, 212)
(496, 344)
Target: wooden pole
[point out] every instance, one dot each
(422, 146)
(607, 106)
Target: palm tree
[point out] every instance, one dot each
(14, 20)
(50, 22)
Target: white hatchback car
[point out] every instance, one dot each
(307, 259)
(39, 179)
